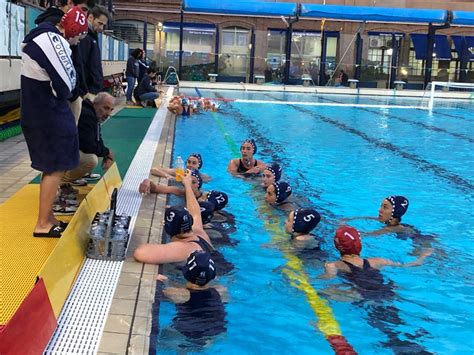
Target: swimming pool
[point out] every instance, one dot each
(343, 161)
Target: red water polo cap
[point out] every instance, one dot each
(74, 22)
(347, 240)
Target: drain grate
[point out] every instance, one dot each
(83, 316)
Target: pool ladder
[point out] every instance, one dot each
(170, 71)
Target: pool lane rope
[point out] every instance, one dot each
(326, 322)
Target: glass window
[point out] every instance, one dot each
(275, 55)
(305, 55)
(199, 53)
(228, 38)
(235, 52)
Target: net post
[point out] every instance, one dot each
(431, 102)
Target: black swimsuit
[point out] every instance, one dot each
(203, 244)
(223, 266)
(202, 316)
(369, 281)
(242, 168)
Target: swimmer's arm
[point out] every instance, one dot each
(222, 292)
(193, 206)
(163, 172)
(379, 263)
(163, 253)
(343, 220)
(233, 166)
(177, 294)
(261, 166)
(330, 271)
(380, 231)
(164, 189)
(206, 178)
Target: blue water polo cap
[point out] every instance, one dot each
(305, 220)
(282, 191)
(198, 157)
(252, 142)
(399, 206)
(184, 101)
(178, 220)
(207, 211)
(218, 198)
(197, 175)
(199, 268)
(276, 170)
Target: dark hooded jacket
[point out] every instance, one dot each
(90, 137)
(53, 15)
(92, 63)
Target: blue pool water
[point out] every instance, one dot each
(342, 161)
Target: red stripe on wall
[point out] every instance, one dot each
(32, 325)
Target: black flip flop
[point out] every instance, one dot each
(63, 225)
(54, 232)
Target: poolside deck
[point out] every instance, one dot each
(18, 189)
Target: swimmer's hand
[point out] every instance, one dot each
(254, 170)
(161, 278)
(144, 187)
(186, 180)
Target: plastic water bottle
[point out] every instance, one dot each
(179, 168)
(119, 231)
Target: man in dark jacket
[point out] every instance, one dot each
(91, 145)
(90, 51)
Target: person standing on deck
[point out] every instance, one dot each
(47, 79)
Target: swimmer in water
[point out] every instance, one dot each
(277, 195)
(247, 164)
(194, 162)
(271, 174)
(221, 223)
(200, 311)
(390, 213)
(186, 108)
(184, 225)
(372, 292)
(299, 225)
(347, 241)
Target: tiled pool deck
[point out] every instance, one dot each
(128, 324)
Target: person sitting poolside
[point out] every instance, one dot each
(391, 211)
(277, 195)
(200, 312)
(347, 241)
(146, 91)
(194, 162)
(247, 164)
(271, 174)
(185, 227)
(299, 224)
